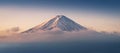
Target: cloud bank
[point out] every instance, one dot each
(85, 41)
(60, 36)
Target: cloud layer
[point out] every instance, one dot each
(85, 41)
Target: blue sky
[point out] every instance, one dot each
(114, 4)
(107, 6)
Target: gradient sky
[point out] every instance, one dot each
(100, 15)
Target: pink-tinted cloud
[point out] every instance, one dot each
(51, 36)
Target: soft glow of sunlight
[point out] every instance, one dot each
(26, 18)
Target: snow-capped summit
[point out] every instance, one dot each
(60, 22)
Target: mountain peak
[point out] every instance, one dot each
(60, 16)
(60, 22)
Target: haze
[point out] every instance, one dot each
(27, 14)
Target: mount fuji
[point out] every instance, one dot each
(60, 22)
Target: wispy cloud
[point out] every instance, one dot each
(12, 30)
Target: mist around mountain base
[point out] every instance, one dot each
(85, 41)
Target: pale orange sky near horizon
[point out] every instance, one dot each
(26, 18)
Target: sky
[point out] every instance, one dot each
(100, 15)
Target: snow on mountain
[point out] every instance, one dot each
(60, 22)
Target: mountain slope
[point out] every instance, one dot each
(60, 22)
